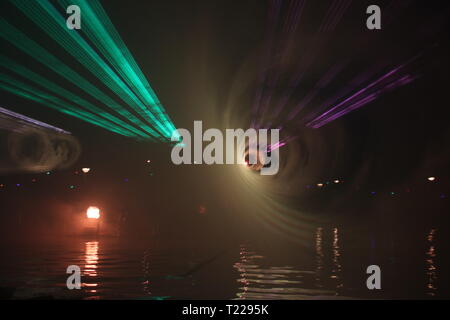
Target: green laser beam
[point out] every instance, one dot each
(21, 41)
(100, 30)
(44, 14)
(56, 89)
(20, 89)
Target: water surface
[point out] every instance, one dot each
(331, 266)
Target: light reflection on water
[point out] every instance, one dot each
(91, 266)
(112, 268)
(430, 264)
(289, 282)
(282, 282)
(337, 267)
(319, 257)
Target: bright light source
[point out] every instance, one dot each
(320, 185)
(336, 181)
(93, 213)
(431, 178)
(86, 170)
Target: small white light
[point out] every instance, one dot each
(431, 178)
(86, 170)
(320, 185)
(336, 181)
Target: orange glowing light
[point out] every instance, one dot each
(93, 213)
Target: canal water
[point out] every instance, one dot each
(331, 264)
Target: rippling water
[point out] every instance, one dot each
(332, 266)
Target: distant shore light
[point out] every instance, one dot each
(86, 170)
(431, 178)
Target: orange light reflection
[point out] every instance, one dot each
(91, 263)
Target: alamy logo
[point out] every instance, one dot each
(74, 20)
(250, 147)
(374, 280)
(374, 20)
(74, 280)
